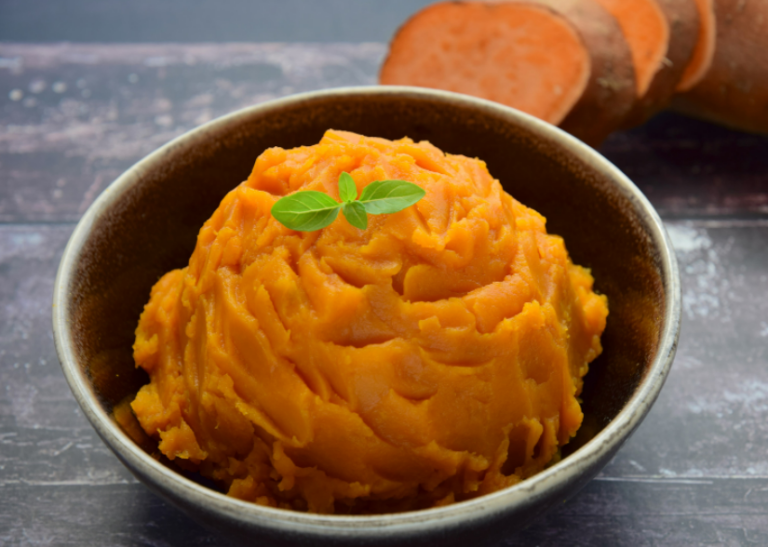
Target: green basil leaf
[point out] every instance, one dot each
(306, 211)
(355, 213)
(390, 196)
(347, 188)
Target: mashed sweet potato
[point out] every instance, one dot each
(433, 357)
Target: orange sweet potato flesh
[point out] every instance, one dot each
(434, 357)
(701, 59)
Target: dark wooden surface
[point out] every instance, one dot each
(72, 117)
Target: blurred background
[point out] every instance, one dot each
(203, 20)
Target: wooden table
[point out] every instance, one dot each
(73, 117)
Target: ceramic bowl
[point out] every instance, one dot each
(145, 223)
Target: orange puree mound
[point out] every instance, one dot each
(431, 358)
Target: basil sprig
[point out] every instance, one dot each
(307, 210)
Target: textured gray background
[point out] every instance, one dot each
(72, 117)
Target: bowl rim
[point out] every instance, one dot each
(404, 524)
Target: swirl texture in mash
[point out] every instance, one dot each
(433, 357)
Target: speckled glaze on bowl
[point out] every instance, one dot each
(146, 223)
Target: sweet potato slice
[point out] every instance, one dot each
(705, 47)
(647, 32)
(501, 52)
(662, 35)
(734, 91)
(563, 61)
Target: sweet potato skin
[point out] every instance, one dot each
(611, 91)
(646, 28)
(683, 19)
(734, 92)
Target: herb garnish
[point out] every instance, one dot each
(308, 210)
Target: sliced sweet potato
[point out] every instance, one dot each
(501, 52)
(705, 47)
(647, 32)
(564, 61)
(662, 35)
(734, 91)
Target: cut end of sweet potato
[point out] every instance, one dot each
(704, 50)
(646, 30)
(502, 52)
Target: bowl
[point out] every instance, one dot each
(146, 222)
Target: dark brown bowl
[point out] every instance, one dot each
(147, 221)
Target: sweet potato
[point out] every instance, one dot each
(564, 61)
(705, 47)
(662, 35)
(734, 90)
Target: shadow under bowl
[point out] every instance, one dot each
(146, 223)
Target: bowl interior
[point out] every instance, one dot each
(149, 223)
